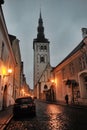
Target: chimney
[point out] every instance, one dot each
(84, 32)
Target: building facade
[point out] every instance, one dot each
(46, 85)
(17, 70)
(71, 75)
(11, 66)
(7, 64)
(41, 53)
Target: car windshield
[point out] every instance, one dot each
(24, 100)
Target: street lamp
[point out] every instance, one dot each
(6, 73)
(9, 70)
(53, 81)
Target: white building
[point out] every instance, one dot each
(41, 54)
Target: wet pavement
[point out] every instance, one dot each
(52, 117)
(5, 116)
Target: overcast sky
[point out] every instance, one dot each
(62, 21)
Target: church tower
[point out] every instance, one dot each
(41, 53)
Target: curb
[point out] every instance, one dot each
(63, 104)
(6, 123)
(72, 105)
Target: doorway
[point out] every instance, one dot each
(5, 97)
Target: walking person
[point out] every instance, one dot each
(66, 98)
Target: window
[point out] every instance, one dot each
(82, 62)
(71, 68)
(41, 48)
(42, 59)
(45, 86)
(45, 48)
(63, 73)
(85, 79)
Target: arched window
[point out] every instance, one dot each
(41, 48)
(42, 59)
(45, 86)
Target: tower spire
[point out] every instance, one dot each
(40, 30)
(40, 13)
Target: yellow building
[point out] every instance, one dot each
(7, 65)
(71, 75)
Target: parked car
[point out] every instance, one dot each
(24, 106)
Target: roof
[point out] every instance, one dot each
(77, 48)
(12, 38)
(42, 40)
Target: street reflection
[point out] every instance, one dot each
(57, 120)
(53, 111)
(52, 117)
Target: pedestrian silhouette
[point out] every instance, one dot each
(66, 98)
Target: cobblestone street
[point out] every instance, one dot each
(52, 117)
